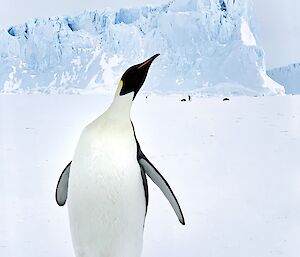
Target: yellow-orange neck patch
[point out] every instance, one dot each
(121, 84)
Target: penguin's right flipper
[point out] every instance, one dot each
(61, 193)
(160, 181)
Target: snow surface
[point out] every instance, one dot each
(233, 165)
(203, 44)
(288, 76)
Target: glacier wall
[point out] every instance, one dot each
(288, 76)
(206, 47)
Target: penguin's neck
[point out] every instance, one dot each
(120, 107)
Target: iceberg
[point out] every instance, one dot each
(203, 44)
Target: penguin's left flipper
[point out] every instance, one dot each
(61, 193)
(160, 181)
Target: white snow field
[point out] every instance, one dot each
(233, 165)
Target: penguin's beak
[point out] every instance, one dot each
(134, 77)
(142, 70)
(147, 62)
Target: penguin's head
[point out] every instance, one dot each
(134, 77)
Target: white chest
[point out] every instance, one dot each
(106, 196)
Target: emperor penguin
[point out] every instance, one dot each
(105, 183)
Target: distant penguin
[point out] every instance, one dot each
(106, 183)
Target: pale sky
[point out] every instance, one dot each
(18, 11)
(278, 30)
(278, 26)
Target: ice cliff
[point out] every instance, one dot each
(206, 47)
(288, 76)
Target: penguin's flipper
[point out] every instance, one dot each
(160, 181)
(61, 193)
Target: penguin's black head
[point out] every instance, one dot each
(133, 79)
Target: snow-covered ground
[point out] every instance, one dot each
(233, 165)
